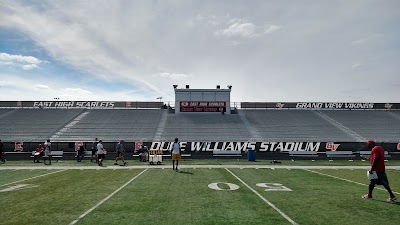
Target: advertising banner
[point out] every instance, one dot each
(269, 146)
(319, 105)
(79, 104)
(19, 146)
(193, 106)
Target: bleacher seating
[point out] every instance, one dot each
(294, 125)
(205, 127)
(114, 124)
(371, 124)
(3, 111)
(143, 124)
(34, 124)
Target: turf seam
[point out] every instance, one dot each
(32, 177)
(105, 199)
(263, 198)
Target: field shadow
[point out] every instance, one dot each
(384, 201)
(185, 172)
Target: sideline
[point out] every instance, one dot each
(186, 167)
(32, 177)
(105, 199)
(264, 199)
(343, 179)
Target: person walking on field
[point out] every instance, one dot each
(94, 150)
(81, 153)
(120, 153)
(100, 153)
(2, 152)
(176, 154)
(47, 151)
(378, 167)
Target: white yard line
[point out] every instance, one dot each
(105, 199)
(354, 182)
(32, 177)
(264, 199)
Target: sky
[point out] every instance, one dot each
(268, 50)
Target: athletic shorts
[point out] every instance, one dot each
(382, 179)
(94, 152)
(101, 156)
(176, 156)
(46, 153)
(120, 154)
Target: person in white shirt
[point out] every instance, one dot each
(47, 152)
(100, 153)
(176, 154)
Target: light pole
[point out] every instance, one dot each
(160, 101)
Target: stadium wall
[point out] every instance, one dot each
(264, 150)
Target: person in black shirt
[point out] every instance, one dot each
(143, 151)
(94, 150)
(80, 153)
(2, 152)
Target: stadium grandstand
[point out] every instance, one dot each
(27, 124)
(264, 127)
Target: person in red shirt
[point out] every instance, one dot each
(38, 153)
(377, 161)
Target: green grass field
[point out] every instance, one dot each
(158, 195)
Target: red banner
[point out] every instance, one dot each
(202, 106)
(19, 146)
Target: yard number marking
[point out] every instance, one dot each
(263, 198)
(273, 187)
(215, 186)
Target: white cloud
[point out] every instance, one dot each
(3, 83)
(19, 58)
(356, 66)
(134, 42)
(72, 35)
(207, 20)
(368, 39)
(75, 93)
(174, 76)
(6, 63)
(41, 86)
(20, 88)
(29, 66)
(79, 91)
(25, 62)
(239, 29)
(271, 29)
